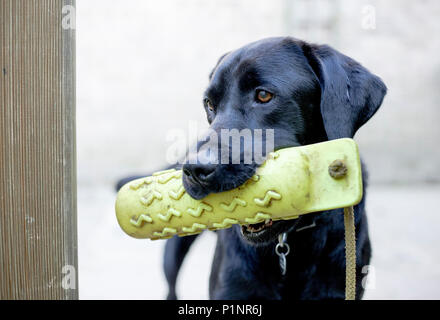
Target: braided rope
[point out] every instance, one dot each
(350, 254)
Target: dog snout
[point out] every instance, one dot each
(201, 173)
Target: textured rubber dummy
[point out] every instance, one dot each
(292, 182)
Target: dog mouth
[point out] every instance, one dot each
(266, 231)
(256, 228)
(257, 232)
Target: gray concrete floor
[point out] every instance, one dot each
(404, 228)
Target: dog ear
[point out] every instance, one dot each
(350, 94)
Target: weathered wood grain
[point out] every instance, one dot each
(38, 230)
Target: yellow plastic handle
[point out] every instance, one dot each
(292, 182)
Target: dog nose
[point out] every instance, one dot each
(200, 172)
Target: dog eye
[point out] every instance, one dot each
(264, 96)
(209, 105)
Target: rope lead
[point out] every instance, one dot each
(350, 254)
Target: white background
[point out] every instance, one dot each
(141, 69)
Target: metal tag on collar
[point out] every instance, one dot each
(282, 244)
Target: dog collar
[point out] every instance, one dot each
(312, 225)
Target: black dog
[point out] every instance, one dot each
(307, 94)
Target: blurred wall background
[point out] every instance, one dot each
(142, 67)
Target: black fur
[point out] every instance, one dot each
(319, 95)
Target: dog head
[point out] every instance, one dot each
(303, 93)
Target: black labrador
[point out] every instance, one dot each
(307, 93)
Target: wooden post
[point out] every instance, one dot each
(38, 230)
